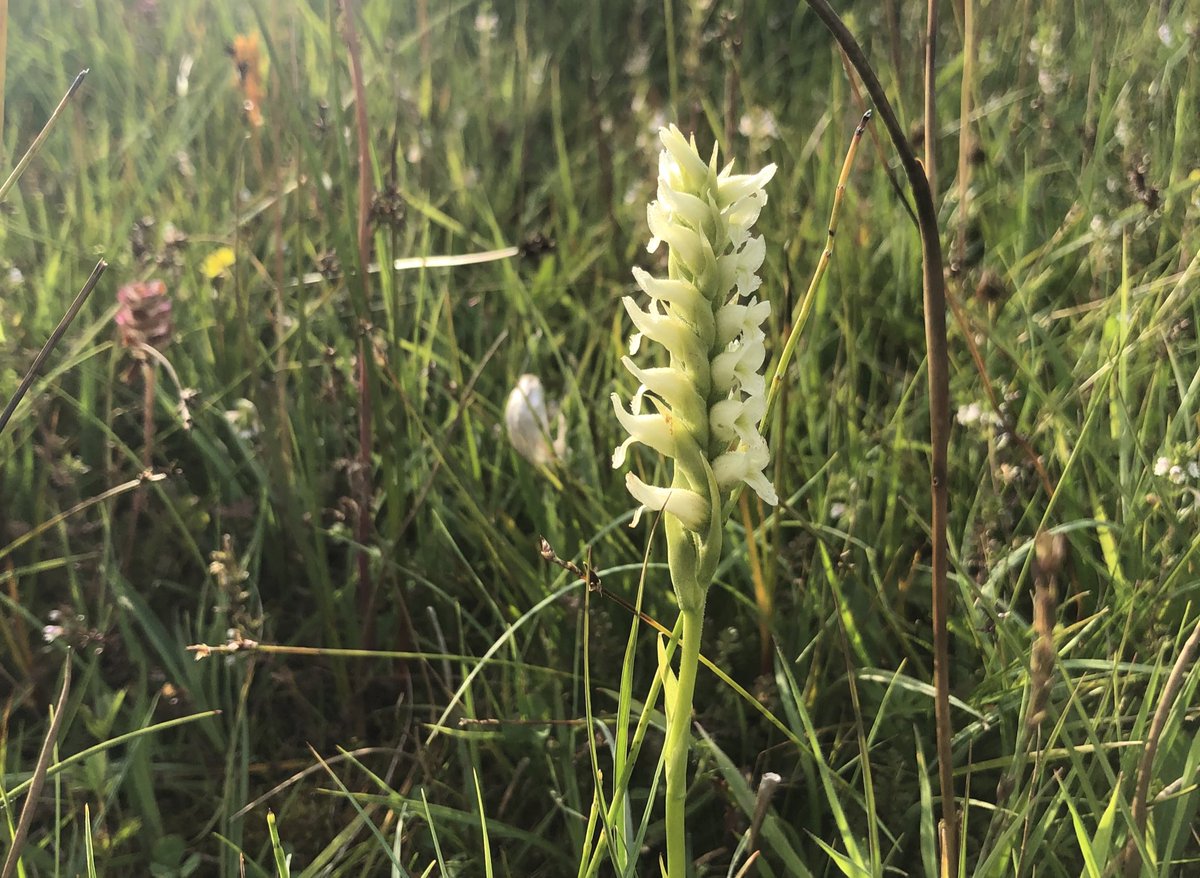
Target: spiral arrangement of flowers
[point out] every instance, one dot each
(706, 404)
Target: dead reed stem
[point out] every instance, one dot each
(934, 301)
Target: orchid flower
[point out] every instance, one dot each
(703, 409)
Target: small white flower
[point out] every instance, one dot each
(758, 124)
(738, 367)
(653, 430)
(688, 506)
(732, 419)
(487, 23)
(969, 414)
(244, 420)
(733, 317)
(746, 464)
(1162, 466)
(527, 417)
(183, 75)
(638, 61)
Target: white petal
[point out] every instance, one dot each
(732, 419)
(753, 409)
(721, 419)
(752, 384)
(744, 212)
(749, 284)
(670, 332)
(726, 274)
(754, 352)
(674, 292)
(671, 384)
(689, 507)
(763, 488)
(749, 260)
(738, 366)
(634, 343)
(652, 325)
(653, 431)
(635, 404)
(738, 235)
(669, 171)
(724, 371)
(684, 242)
(746, 465)
(618, 458)
(734, 319)
(730, 319)
(733, 187)
(730, 469)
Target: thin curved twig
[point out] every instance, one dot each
(36, 145)
(934, 286)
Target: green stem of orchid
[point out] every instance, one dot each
(676, 748)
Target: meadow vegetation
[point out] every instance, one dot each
(311, 473)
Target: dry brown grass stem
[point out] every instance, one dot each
(1050, 553)
(934, 307)
(965, 139)
(1141, 805)
(39, 776)
(51, 343)
(42, 135)
(362, 530)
